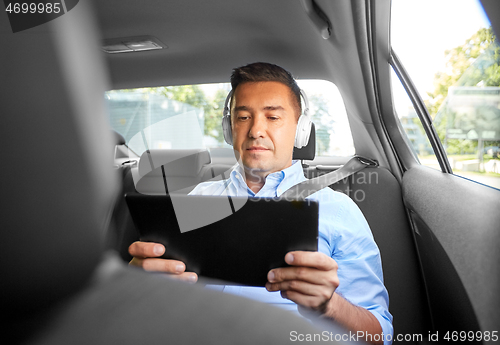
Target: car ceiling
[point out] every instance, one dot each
(206, 39)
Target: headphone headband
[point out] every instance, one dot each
(305, 109)
(227, 111)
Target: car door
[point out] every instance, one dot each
(455, 220)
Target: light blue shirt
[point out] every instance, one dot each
(344, 235)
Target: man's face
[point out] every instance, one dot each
(263, 122)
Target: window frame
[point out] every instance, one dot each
(422, 112)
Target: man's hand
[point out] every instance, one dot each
(146, 256)
(310, 282)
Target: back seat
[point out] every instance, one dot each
(159, 172)
(375, 190)
(165, 171)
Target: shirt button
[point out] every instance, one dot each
(279, 190)
(237, 176)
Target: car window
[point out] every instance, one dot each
(411, 124)
(189, 117)
(453, 61)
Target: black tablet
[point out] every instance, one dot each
(235, 240)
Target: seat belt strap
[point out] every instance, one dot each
(308, 187)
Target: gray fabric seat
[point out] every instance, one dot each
(165, 171)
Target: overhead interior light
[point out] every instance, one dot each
(131, 44)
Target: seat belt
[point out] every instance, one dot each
(308, 187)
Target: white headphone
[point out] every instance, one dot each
(301, 134)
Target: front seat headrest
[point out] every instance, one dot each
(57, 178)
(307, 152)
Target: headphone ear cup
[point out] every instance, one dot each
(226, 120)
(303, 131)
(226, 129)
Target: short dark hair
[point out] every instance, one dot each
(263, 71)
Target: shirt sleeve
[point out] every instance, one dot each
(347, 238)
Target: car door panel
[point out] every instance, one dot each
(457, 223)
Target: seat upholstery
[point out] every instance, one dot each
(59, 186)
(122, 231)
(307, 152)
(166, 171)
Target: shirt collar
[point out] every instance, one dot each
(278, 181)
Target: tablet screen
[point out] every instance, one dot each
(237, 247)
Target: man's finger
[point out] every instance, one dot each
(306, 274)
(310, 275)
(301, 287)
(175, 269)
(316, 260)
(322, 292)
(146, 249)
(190, 277)
(163, 265)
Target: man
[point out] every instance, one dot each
(343, 280)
